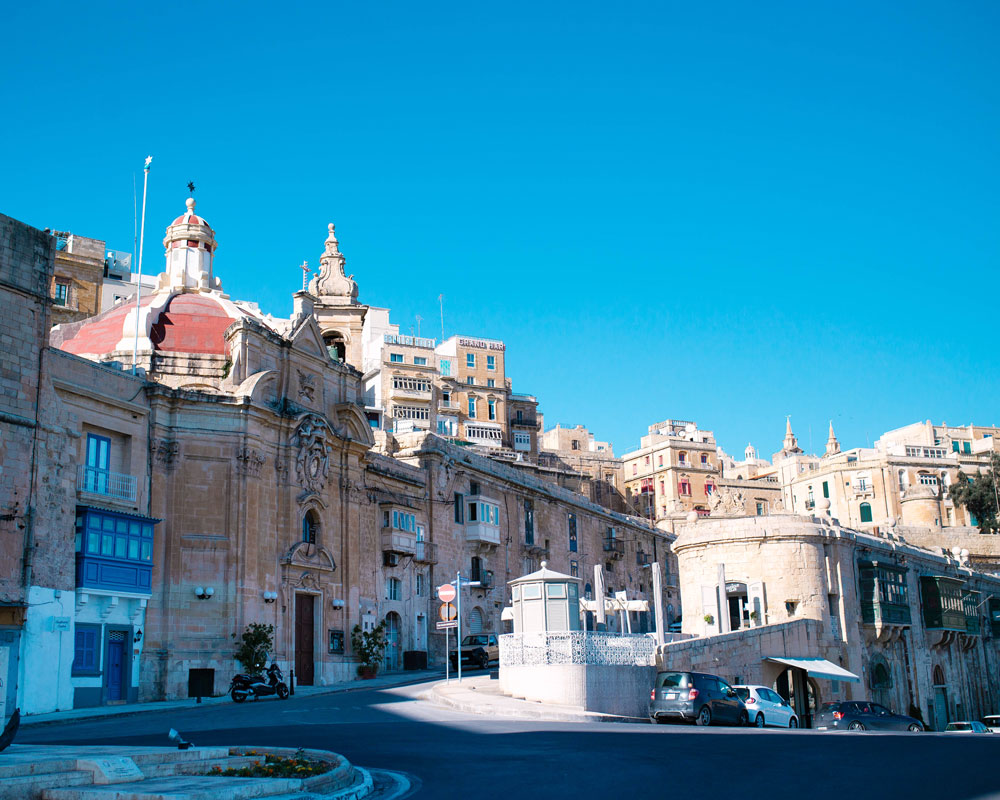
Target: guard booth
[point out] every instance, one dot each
(545, 601)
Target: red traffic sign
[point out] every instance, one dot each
(446, 593)
(448, 612)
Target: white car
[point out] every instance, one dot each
(992, 722)
(766, 707)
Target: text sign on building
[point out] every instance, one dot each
(446, 593)
(481, 344)
(444, 626)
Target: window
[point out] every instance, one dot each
(866, 512)
(709, 488)
(635, 467)
(826, 489)
(473, 487)
(529, 522)
(459, 509)
(704, 459)
(522, 441)
(928, 480)
(420, 361)
(491, 383)
(310, 527)
(86, 656)
(470, 360)
(472, 407)
(966, 447)
(446, 399)
(682, 457)
(663, 487)
(575, 445)
(62, 293)
(470, 381)
(393, 588)
(447, 427)
(404, 522)
(96, 474)
(411, 384)
(491, 362)
(684, 487)
(410, 412)
(574, 569)
(420, 585)
(492, 409)
(444, 366)
(954, 447)
(647, 461)
(760, 509)
(395, 358)
(571, 525)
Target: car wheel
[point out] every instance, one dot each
(743, 720)
(759, 721)
(793, 723)
(915, 728)
(484, 661)
(856, 726)
(704, 718)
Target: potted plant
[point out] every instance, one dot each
(254, 645)
(709, 619)
(754, 616)
(369, 646)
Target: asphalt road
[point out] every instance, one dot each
(448, 754)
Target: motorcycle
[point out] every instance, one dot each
(244, 686)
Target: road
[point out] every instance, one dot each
(450, 754)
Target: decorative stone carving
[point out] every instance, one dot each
(166, 451)
(332, 281)
(249, 462)
(312, 440)
(727, 502)
(307, 385)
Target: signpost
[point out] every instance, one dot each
(446, 593)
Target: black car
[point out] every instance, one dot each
(695, 697)
(862, 715)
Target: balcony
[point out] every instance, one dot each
(642, 559)
(411, 391)
(482, 533)
(114, 551)
(525, 422)
(534, 548)
(810, 505)
(615, 548)
(425, 553)
(104, 483)
(400, 542)
(943, 604)
(884, 595)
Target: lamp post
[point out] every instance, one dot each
(138, 283)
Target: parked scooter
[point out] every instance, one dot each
(256, 686)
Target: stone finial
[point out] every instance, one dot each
(190, 205)
(692, 516)
(545, 565)
(332, 281)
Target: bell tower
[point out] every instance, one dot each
(337, 310)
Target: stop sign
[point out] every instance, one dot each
(446, 593)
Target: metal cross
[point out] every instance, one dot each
(305, 275)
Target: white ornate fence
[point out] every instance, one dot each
(577, 647)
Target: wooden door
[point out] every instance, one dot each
(115, 667)
(304, 639)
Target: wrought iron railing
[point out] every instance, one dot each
(576, 647)
(104, 482)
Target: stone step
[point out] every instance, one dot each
(31, 787)
(176, 787)
(171, 755)
(197, 767)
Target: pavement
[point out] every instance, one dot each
(481, 695)
(127, 709)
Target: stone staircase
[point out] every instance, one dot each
(39, 772)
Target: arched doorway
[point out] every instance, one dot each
(739, 610)
(801, 693)
(392, 626)
(881, 680)
(940, 700)
(476, 620)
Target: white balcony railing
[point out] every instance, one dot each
(92, 480)
(482, 533)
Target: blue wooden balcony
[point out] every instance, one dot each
(114, 551)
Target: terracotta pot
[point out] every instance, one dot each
(366, 672)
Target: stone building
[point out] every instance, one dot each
(913, 627)
(903, 479)
(575, 448)
(77, 278)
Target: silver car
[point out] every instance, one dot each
(766, 707)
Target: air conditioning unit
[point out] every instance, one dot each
(390, 559)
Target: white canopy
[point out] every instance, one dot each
(818, 668)
(507, 613)
(612, 604)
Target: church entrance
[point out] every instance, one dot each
(305, 639)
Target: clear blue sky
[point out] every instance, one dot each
(725, 212)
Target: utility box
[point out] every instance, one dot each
(414, 659)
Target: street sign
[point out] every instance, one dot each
(448, 612)
(441, 626)
(446, 593)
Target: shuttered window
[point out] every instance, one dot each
(476, 621)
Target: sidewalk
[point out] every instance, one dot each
(480, 695)
(126, 709)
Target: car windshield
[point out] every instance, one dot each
(743, 692)
(672, 680)
(474, 640)
(991, 722)
(829, 707)
(958, 726)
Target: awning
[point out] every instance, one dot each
(818, 668)
(614, 605)
(507, 613)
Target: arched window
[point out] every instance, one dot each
(938, 676)
(310, 527)
(866, 512)
(682, 457)
(476, 620)
(881, 679)
(336, 345)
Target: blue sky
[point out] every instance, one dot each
(725, 212)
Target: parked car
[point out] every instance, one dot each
(966, 727)
(695, 697)
(992, 722)
(478, 650)
(861, 715)
(767, 707)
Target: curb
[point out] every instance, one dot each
(167, 705)
(523, 710)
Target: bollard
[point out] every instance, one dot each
(291, 681)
